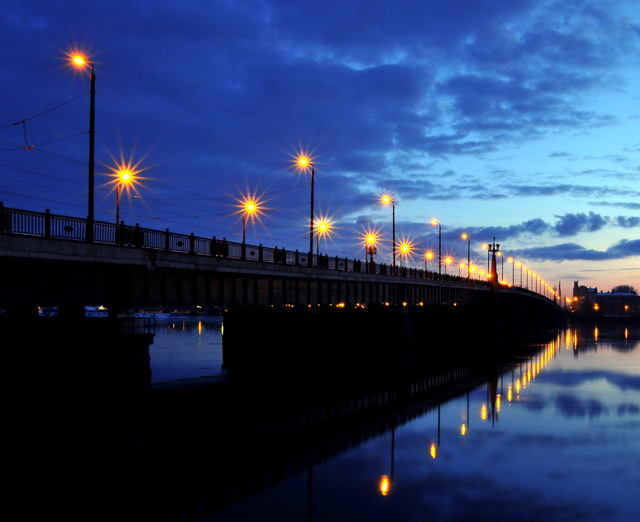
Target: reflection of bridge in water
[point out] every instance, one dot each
(285, 430)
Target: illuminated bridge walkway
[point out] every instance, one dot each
(45, 260)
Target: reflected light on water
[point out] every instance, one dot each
(385, 485)
(483, 412)
(432, 451)
(199, 327)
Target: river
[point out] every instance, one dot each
(552, 436)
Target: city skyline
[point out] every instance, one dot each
(518, 122)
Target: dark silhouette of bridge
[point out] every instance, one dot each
(46, 260)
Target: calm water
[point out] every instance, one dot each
(562, 442)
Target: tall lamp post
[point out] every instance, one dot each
(323, 228)
(513, 272)
(387, 200)
(466, 236)
(249, 208)
(79, 60)
(427, 257)
(435, 222)
(304, 162)
(124, 177)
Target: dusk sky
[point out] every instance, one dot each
(514, 119)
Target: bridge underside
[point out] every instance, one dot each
(55, 283)
(36, 272)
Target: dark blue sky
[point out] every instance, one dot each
(516, 119)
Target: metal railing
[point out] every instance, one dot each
(51, 226)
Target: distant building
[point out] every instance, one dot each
(588, 301)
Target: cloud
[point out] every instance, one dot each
(571, 406)
(572, 224)
(628, 222)
(572, 251)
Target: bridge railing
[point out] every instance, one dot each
(50, 226)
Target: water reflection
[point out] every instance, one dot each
(571, 419)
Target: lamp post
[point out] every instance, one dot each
(387, 200)
(447, 262)
(323, 228)
(485, 246)
(249, 208)
(304, 162)
(427, 257)
(435, 222)
(465, 236)
(371, 250)
(125, 176)
(80, 61)
(405, 251)
(513, 271)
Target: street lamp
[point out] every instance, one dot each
(125, 176)
(249, 208)
(80, 61)
(387, 200)
(485, 246)
(447, 262)
(513, 271)
(305, 163)
(405, 251)
(323, 228)
(435, 222)
(371, 248)
(466, 236)
(428, 256)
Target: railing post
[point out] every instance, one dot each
(192, 244)
(136, 241)
(88, 231)
(3, 219)
(260, 253)
(166, 240)
(297, 257)
(47, 224)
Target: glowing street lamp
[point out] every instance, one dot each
(435, 222)
(447, 262)
(485, 246)
(466, 236)
(405, 251)
(125, 176)
(428, 256)
(513, 271)
(388, 200)
(371, 247)
(250, 207)
(305, 163)
(81, 61)
(323, 228)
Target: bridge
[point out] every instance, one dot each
(46, 260)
